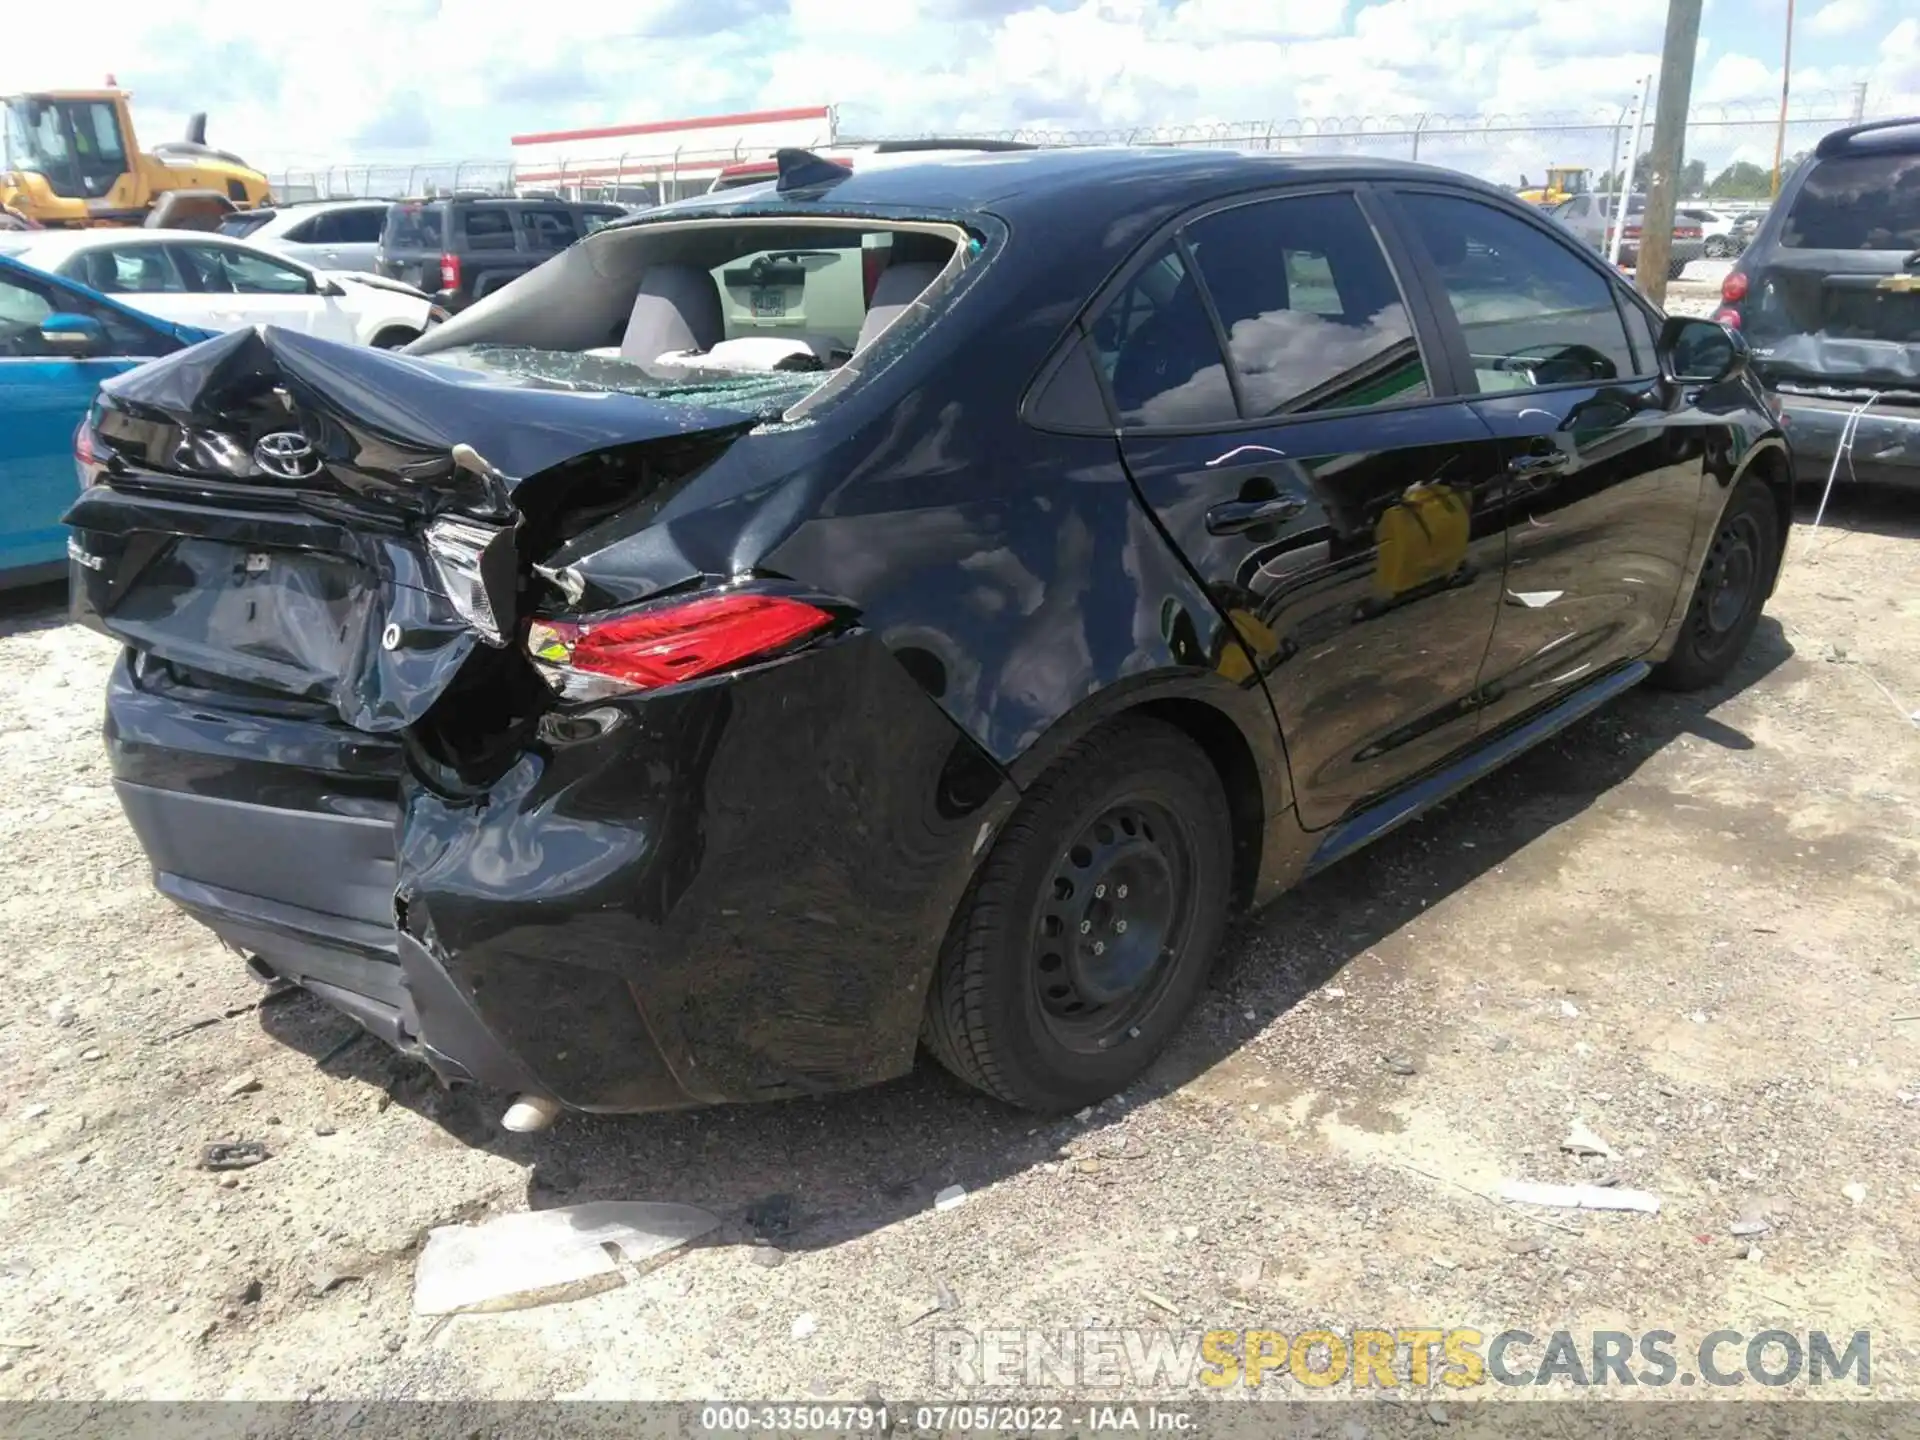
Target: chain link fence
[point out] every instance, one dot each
(1728, 152)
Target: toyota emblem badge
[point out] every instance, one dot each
(286, 455)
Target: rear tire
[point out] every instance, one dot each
(1088, 933)
(1731, 592)
(1718, 247)
(1675, 269)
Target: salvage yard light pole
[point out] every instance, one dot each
(1669, 138)
(1786, 75)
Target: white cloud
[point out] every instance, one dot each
(1843, 17)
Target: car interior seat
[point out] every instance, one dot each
(916, 263)
(677, 308)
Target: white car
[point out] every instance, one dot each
(327, 234)
(217, 283)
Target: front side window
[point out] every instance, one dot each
(1158, 350)
(24, 306)
(218, 270)
(1313, 316)
(1533, 312)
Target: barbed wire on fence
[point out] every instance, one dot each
(1719, 134)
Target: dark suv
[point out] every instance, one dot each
(1828, 295)
(467, 247)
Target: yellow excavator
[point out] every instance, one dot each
(1563, 183)
(72, 160)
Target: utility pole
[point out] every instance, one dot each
(1669, 138)
(1786, 77)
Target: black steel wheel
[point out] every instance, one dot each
(1735, 579)
(1088, 933)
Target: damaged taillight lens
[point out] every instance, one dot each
(476, 568)
(668, 644)
(86, 460)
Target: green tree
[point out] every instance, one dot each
(1742, 180)
(1693, 176)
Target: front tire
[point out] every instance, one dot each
(1731, 592)
(394, 337)
(1088, 933)
(1718, 247)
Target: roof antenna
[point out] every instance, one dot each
(802, 170)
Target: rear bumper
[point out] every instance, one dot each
(730, 893)
(1886, 440)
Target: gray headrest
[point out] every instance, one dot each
(898, 287)
(677, 308)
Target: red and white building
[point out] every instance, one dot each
(661, 160)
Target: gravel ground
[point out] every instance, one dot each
(1687, 924)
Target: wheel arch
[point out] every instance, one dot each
(1232, 725)
(1770, 463)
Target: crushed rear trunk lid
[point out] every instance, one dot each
(342, 525)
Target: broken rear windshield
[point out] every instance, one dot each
(1857, 202)
(766, 394)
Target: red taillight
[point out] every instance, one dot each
(449, 272)
(1733, 289)
(669, 644)
(1728, 317)
(83, 451)
(1688, 232)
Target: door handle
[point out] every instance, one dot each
(1230, 517)
(1535, 467)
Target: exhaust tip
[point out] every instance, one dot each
(529, 1113)
(260, 970)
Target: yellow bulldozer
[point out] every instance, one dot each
(1563, 183)
(72, 160)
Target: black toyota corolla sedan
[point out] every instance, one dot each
(914, 607)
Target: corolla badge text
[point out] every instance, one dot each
(84, 557)
(286, 455)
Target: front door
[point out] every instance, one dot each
(43, 395)
(1602, 477)
(1339, 513)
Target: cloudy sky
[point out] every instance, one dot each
(312, 83)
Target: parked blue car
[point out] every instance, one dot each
(58, 341)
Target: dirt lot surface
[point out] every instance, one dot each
(1689, 924)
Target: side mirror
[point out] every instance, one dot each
(332, 288)
(74, 335)
(1702, 352)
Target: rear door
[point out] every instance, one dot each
(1338, 505)
(1602, 479)
(349, 238)
(1834, 296)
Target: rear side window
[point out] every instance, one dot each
(1157, 348)
(592, 220)
(413, 227)
(1533, 312)
(489, 229)
(243, 224)
(352, 227)
(1312, 314)
(309, 231)
(1857, 202)
(546, 229)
